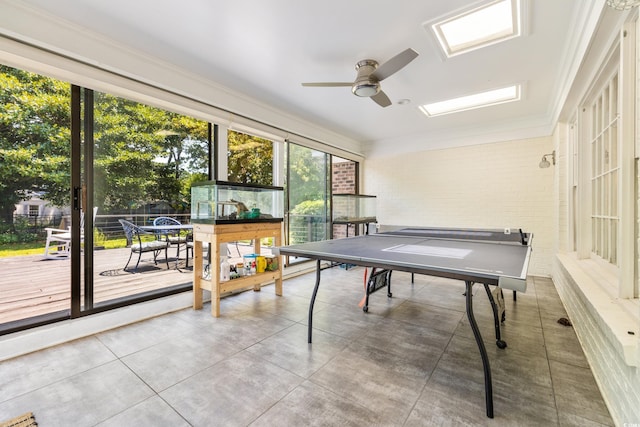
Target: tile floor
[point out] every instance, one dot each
(410, 361)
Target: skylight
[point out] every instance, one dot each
(491, 23)
(470, 102)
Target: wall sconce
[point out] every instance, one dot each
(544, 163)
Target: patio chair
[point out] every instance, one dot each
(58, 245)
(174, 237)
(133, 234)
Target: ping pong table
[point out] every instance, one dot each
(488, 257)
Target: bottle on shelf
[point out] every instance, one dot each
(225, 270)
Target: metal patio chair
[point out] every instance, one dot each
(138, 246)
(174, 237)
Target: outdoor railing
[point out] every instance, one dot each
(26, 227)
(302, 228)
(307, 228)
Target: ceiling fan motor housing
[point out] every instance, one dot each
(366, 85)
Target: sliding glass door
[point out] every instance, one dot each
(35, 188)
(73, 162)
(307, 189)
(140, 171)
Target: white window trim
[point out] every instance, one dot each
(619, 283)
(626, 239)
(611, 292)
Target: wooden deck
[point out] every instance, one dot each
(31, 285)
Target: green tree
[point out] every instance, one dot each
(250, 159)
(141, 153)
(34, 138)
(123, 153)
(308, 175)
(145, 154)
(307, 188)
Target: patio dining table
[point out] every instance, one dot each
(166, 230)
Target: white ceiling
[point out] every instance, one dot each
(267, 48)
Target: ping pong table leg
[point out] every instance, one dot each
(488, 388)
(313, 300)
(496, 318)
(367, 289)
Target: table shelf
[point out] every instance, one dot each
(254, 280)
(216, 234)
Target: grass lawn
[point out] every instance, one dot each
(16, 249)
(35, 248)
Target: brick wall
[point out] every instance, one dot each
(618, 382)
(343, 181)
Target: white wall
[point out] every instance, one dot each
(485, 186)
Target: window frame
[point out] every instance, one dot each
(619, 280)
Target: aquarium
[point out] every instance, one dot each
(220, 202)
(353, 208)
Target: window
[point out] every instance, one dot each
(307, 191)
(250, 159)
(603, 139)
(127, 159)
(144, 162)
(125, 149)
(344, 180)
(490, 23)
(470, 102)
(602, 168)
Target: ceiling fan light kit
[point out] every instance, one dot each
(366, 85)
(366, 88)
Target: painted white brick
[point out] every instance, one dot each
(618, 382)
(486, 186)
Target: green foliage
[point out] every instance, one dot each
(20, 231)
(308, 175)
(307, 221)
(308, 181)
(142, 154)
(188, 181)
(309, 207)
(250, 159)
(34, 138)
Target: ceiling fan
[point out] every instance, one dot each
(370, 74)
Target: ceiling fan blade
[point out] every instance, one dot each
(328, 84)
(381, 99)
(395, 64)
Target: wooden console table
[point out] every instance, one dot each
(215, 234)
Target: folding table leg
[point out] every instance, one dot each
(488, 388)
(313, 300)
(496, 317)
